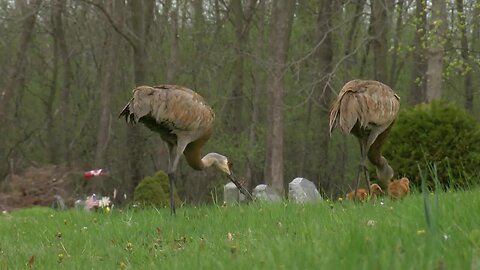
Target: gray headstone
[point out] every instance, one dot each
(58, 203)
(231, 194)
(266, 193)
(301, 190)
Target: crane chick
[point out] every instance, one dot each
(397, 189)
(362, 193)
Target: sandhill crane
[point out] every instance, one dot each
(367, 109)
(184, 121)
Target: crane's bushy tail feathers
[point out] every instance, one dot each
(129, 117)
(333, 116)
(344, 112)
(348, 112)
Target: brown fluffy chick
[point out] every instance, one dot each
(362, 193)
(397, 189)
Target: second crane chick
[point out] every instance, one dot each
(397, 189)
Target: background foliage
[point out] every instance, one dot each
(67, 67)
(437, 133)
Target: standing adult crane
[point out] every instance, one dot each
(368, 110)
(184, 121)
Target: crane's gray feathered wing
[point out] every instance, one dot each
(170, 107)
(365, 102)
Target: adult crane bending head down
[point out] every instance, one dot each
(368, 110)
(184, 121)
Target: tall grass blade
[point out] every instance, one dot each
(426, 203)
(432, 167)
(437, 192)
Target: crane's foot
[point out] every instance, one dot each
(362, 168)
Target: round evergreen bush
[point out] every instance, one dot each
(154, 191)
(436, 133)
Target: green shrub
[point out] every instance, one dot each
(436, 133)
(154, 191)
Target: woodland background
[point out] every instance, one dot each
(269, 69)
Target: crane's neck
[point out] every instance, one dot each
(193, 156)
(193, 153)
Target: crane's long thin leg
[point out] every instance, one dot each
(361, 165)
(171, 175)
(365, 170)
(175, 154)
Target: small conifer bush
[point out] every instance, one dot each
(437, 133)
(154, 191)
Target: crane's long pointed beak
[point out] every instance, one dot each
(243, 190)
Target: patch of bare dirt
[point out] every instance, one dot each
(37, 186)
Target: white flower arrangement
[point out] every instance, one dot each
(104, 202)
(93, 203)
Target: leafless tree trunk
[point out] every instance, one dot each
(438, 28)
(52, 139)
(60, 52)
(281, 25)
(359, 5)
(170, 15)
(305, 141)
(67, 79)
(241, 34)
(109, 68)
(28, 11)
(218, 17)
(417, 78)
(475, 47)
(234, 113)
(141, 19)
(173, 62)
(254, 174)
(465, 55)
(142, 12)
(396, 44)
(139, 26)
(324, 56)
(351, 60)
(199, 42)
(379, 29)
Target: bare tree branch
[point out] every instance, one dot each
(127, 35)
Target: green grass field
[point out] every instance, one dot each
(392, 235)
